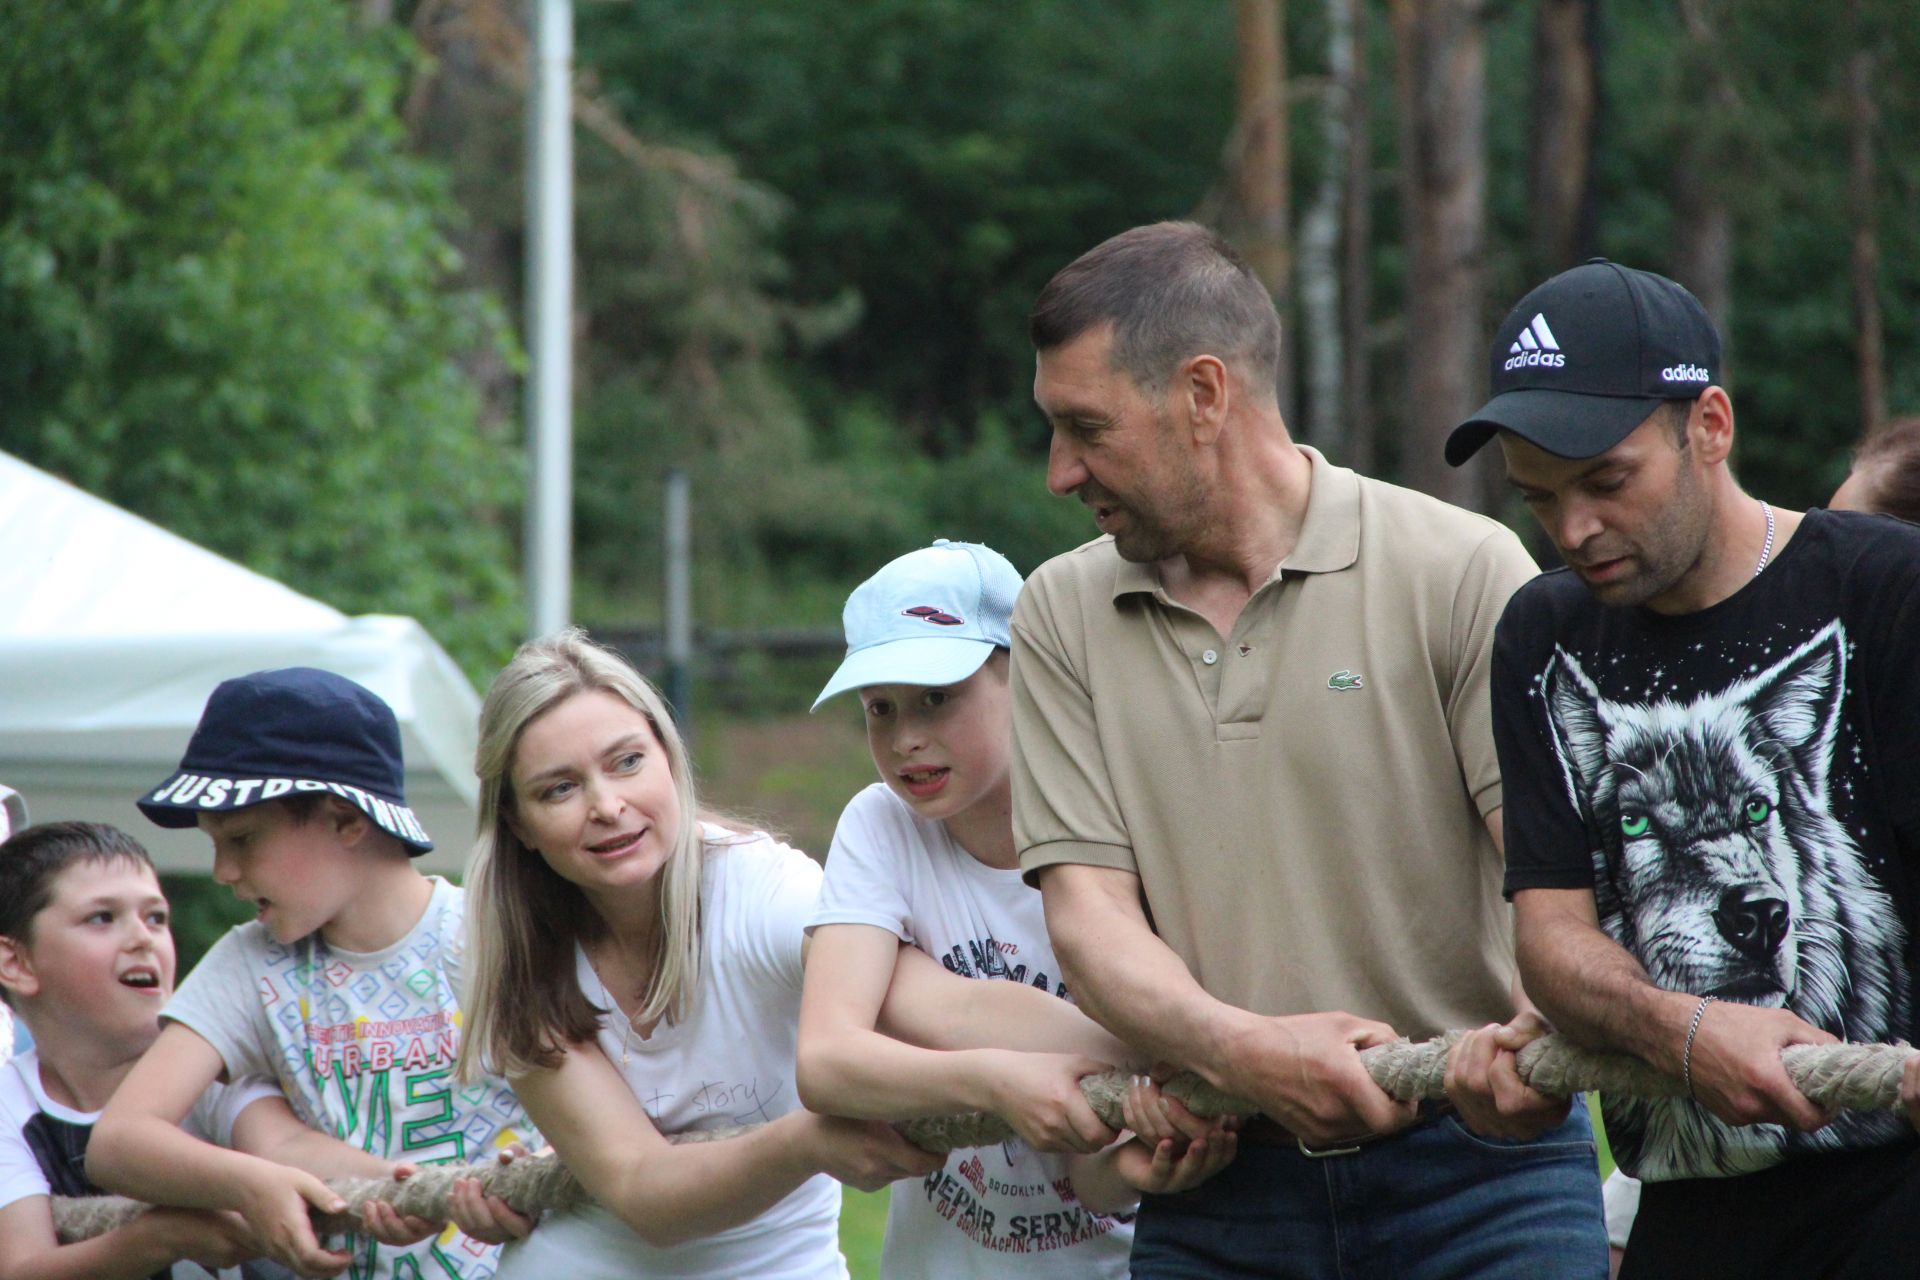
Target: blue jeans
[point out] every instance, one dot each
(1433, 1202)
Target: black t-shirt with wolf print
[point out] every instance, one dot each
(1741, 789)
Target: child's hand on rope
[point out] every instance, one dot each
(1172, 1150)
(867, 1154)
(275, 1205)
(388, 1225)
(1483, 1081)
(212, 1238)
(485, 1217)
(1039, 1095)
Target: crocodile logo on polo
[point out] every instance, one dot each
(1346, 680)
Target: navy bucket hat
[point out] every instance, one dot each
(294, 731)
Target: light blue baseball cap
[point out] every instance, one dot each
(931, 617)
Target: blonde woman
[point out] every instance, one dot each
(636, 973)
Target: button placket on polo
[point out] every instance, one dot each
(1246, 676)
(1194, 638)
(1231, 681)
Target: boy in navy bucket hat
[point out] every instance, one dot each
(925, 858)
(293, 732)
(343, 989)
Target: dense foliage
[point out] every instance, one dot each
(227, 302)
(230, 297)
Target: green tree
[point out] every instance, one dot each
(226, 302)
(1784, 177)
(940, 157)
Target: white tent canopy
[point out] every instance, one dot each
(114, 631)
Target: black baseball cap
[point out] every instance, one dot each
(297, 730)
(1583, 359)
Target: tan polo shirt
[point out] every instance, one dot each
(1303, 800)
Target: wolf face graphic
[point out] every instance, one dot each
(1723, 870)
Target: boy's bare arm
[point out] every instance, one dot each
(936, 1009)
(138, 1149)
(846, 1067)
(155, 1240)
(268, 1128)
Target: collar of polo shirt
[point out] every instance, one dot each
(1329, 536)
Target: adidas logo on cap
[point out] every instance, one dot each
(1684, 373)
(1536, 345)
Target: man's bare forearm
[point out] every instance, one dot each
(1132, 983)
(1589, 986)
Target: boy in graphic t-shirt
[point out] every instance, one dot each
(343, 990)
(926, 858)
(87, 959)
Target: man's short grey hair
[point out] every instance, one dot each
(1171, 290)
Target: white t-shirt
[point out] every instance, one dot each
(1620, 1197)
(730, 1062)
(995, 1211)
(43, 1144)
(363, 1046)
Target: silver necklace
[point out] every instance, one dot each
(626, 1022)
(1766, 549)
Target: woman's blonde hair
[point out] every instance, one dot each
(523, 1003)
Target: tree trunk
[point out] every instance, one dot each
(1320, 310)
(1561, 129)
(1261, 192)
(1356, 295)
(1866, 248)
(1440, 83)
(1702, 221)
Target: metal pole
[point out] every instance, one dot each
(679, 603)
(549, 549)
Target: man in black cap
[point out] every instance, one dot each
(1709, 733)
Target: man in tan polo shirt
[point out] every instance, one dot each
(1254, 777)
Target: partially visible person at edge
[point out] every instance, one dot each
(1885, 479)
(86, 956)
(1255, 780)
(1886, 473)
(1709, 727)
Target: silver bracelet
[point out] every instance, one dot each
(1686, 1054)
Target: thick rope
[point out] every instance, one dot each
(1837, 1077)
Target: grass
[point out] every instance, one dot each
(1600, 1135)
(863, 1225)
(790, 774)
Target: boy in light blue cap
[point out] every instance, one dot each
(931, 617)
(926, 858)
